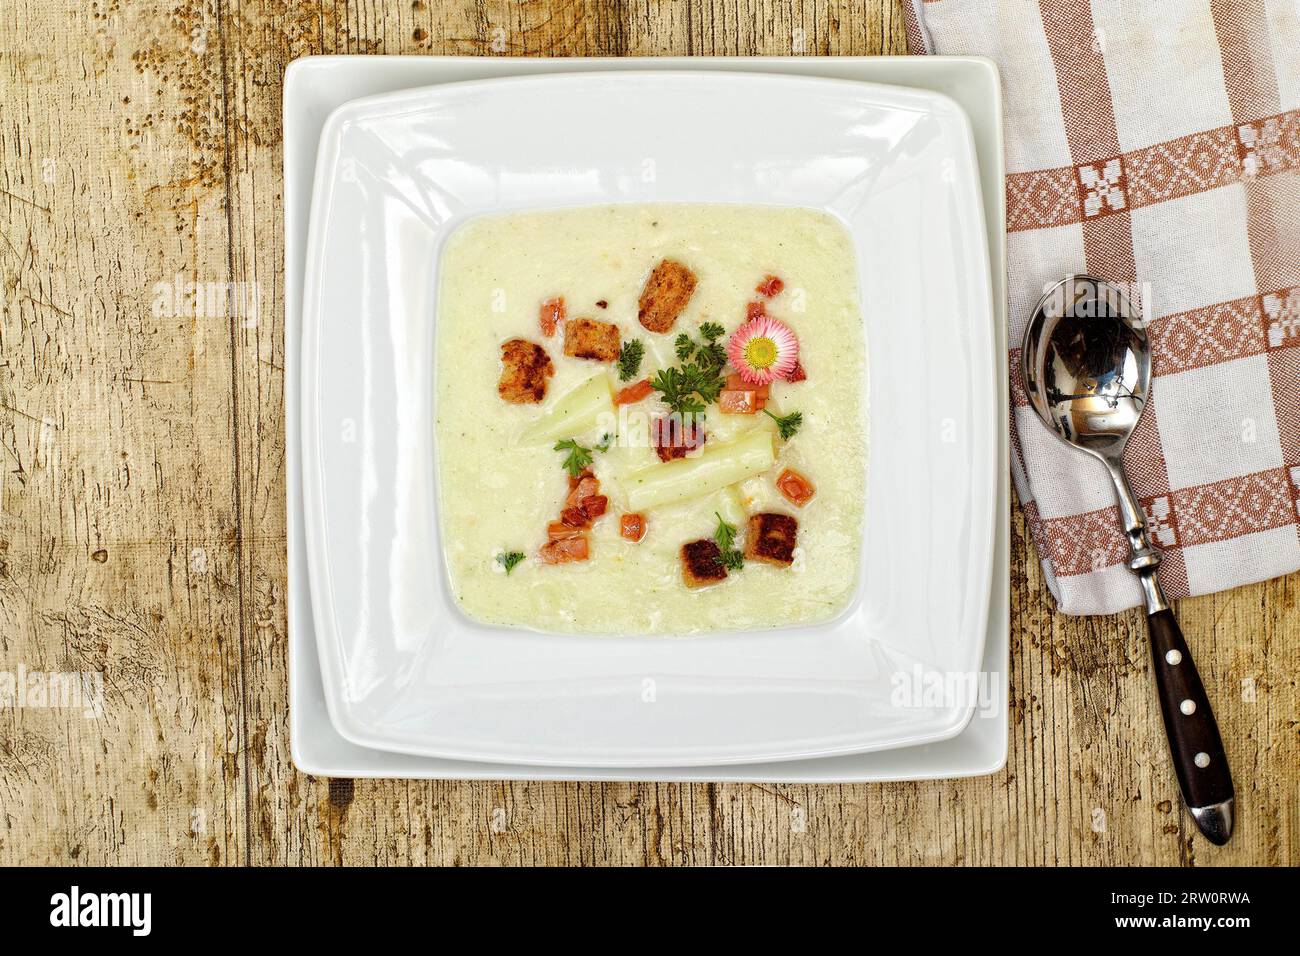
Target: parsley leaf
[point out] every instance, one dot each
(725, 537)
(787, 425)
(685, 345)
(712, 356)
(579, 457)
(603, 445)
(509, 559)
(698, 381)
(629, 359)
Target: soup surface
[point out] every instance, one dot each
(701, 498)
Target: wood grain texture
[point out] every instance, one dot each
(143, 528)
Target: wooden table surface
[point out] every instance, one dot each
(143, 524)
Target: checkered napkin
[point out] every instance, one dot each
(1156, 143)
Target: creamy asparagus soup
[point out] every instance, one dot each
(650, 418)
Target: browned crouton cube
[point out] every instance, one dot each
(771, 538)
(526, 367)
(591, 339)
(702, 563)
(666, 293)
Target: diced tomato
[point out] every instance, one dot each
(551, 315)
(734, 401)
(594, 506)
(795, 487)
(632, 526)
(770, 286)
(755, 310)
(585, 473)
(634, 392)
(564, 550)
(735, 382)
(558, 529)
(797, 374)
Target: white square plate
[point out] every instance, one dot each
(401, 710)
(398, 173)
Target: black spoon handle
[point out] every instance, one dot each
(1194, 741)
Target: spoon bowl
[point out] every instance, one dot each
(1087, 364)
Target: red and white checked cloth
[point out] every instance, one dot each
(1157, 143)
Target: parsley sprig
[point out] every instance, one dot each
(577, 460)
(725, 537)
(509, 559)
(787, 425)
(691, 386)
(579, 456)
(629, 359)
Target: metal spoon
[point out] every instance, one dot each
(1087, 371)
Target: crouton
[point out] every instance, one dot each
(666, 293)
(771, 538)
(592, 339)
(526, 367)
(702, 563)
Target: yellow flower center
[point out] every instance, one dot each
(760, 352)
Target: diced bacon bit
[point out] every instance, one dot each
(674, 438)
(769, 287)
(795, 487)
(567, 538)
(558, 529)
(564, 550)
(634, 392)
(755, 310)
(734, 381)
(742, 398)
(586, 487)
(575, 517)
(552, 314)
(632, 526)
(797, 374)
(735, 401)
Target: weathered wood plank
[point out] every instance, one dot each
(117, 548)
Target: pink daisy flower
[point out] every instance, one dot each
(763, 350)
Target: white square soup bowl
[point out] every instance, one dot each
(403, 669)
